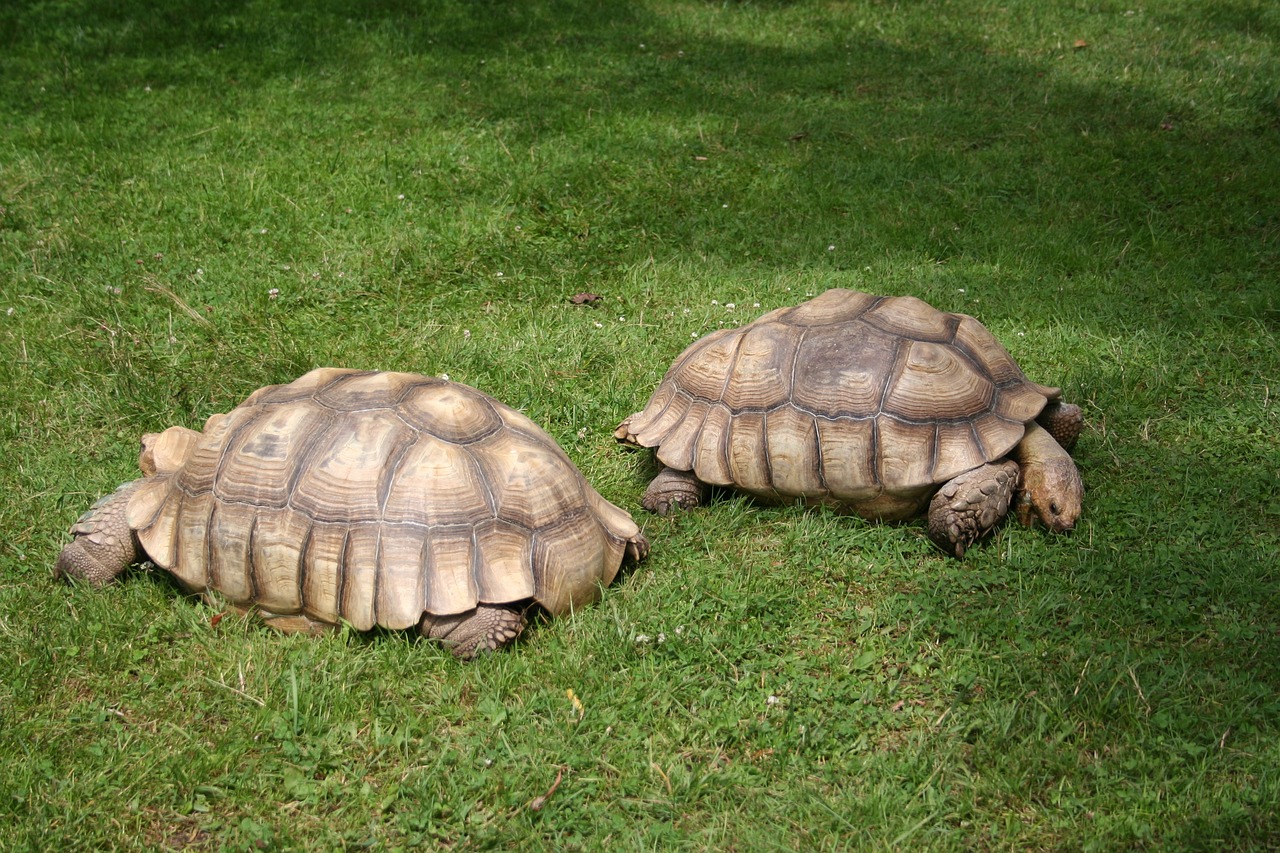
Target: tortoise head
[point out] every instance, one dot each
(1052, 491)
(1050, 487)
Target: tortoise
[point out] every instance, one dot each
(374, 498)
(875, 405)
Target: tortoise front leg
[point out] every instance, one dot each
(485, 629)
(670, 489)
(968, 507)
(103, 546)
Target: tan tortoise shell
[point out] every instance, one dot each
(843, 399)
(373, 497)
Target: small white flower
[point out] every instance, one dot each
(662, 638)
(755, 304)
(444, 376)
(401, 196)
(730, 306)
(715, 302)
(641, 639)
(315, 275)
(831, 248)
(488, 762)
(686, 311)
(199, 271)
(499, 274)
(9, 313)
(962, 290)
(146, 88)
(273, 293)
(263, 231)
(772, 700)
(466, 334)
(285, 267)
(1020, 334)
(693, 334)
(518, 228)
(582, 433)
(598, 325)
(622, 319)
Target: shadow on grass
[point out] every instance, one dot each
(938, 147)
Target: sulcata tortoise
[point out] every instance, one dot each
(376, 498)
(874, 405)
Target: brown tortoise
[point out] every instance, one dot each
(376, 498)
(874, 405)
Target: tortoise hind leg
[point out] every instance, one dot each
(671, 489)
(485, 629)
(104, 545)
(968, 507)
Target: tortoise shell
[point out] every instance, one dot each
(373, 498)
(859, 401)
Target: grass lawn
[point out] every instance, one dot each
(200, 198)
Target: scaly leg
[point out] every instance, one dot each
(670, 489)
(103, 546)
(966, 508)
(485, 629)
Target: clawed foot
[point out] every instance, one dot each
(968, 507)
(672, 489)
(103, 546)
(485, 629)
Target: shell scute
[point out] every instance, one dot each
(449, 474)
(842, 371)
(681, 440)
(710, 456)
(848, 456)
(401, 559)
(263, 454)
(341, 478)
(795, 460)
(748, 453)
(450, 580)
(450, 412)
(912, 318)
(322, 569)
(275, 553)
(571, 561)
(357, 602)
(832, 307)
(935, 383)
(705, 366)
(761, 379)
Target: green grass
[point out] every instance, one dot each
(197, 199)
